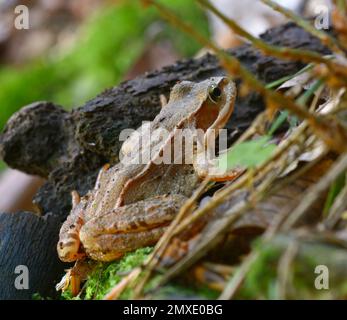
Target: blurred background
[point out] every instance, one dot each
(73, 50)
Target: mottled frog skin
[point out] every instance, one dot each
(132, 202)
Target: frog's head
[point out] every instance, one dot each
(69, 245)
(208, 103)
(210, 109)
(218, 95)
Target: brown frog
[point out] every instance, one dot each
(134, 201)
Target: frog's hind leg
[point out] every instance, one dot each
(108, 236)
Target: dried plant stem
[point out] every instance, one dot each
(323, 127)
(115, 293)
(236, 281)
(161, 245)
(221, 227)
(268, 49)
(284, 268)
(258, 174)
(326, 39)
(315, 191)
(338, 208)
(257, 124)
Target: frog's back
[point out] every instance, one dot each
(138, 177)
(109, 186)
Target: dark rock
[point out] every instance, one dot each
(36, 138)
(29, 240)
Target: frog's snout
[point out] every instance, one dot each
(225, 80)
(68, 250)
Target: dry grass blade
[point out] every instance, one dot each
(237, 279)
(326, 39)
(275, 51)
(315, 191)
(284, 267)
(160, 247)
(257, 175)
(222, 225)
(329, 129)
(315, 129)
(239, 276)
(338, 208)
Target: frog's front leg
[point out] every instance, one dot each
(75, 275)
(207, 167)
(108, 236)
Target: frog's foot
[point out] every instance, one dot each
(227, 176)
(64, 283)
(108, 236)
(212, 169)
(70, 280)
(74, 276)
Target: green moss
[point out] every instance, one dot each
(261, 281)
(37, 296)
(178, 291)
(107, 275)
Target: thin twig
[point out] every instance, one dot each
(338, 208)
(268, 49)
(315, 191)
(326, 39)
(325, 128)
(284, 267)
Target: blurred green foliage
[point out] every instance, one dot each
(248, 154)
(265, 277)
(108, 45)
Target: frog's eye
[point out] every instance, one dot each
(215, 93)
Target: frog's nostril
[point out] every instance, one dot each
(225, 80)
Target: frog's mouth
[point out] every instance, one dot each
(70, 250)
